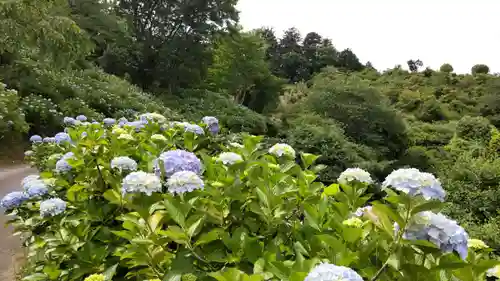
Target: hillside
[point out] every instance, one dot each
(105, 60)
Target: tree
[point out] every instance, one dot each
(173, 38)
(413, 65)
(48, 34)
(349, 61)
(447, 68)
(480, 68)
(239, 67)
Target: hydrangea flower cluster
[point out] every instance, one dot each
(229, 158)
(81, 118)
(49, 140)
(494, 272)
(153, 117)
(212, 124)
(34, 186)
(353, 222)
(355, 174)
(52, 207)
(62, 138)
(184, 181)
(193, 128)
(331, 272)
(477, 244)
(36, 139)
(141, 182)
(62, 165)
(439, 230)
(95, 277)
(281, 149)
(123, 163)
(413, 182)
(109, 121)
(176, 161)
(69, 121)
(13, 199)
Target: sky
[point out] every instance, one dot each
(390, 32)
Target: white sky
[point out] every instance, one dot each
(390, 32)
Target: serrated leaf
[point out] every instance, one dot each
(175, 213)
(195, 227)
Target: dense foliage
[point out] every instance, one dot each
(187, 60)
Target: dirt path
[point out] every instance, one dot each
(10, 179)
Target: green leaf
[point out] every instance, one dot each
(110, 272)
(427, 206)
(112, 196)
(175, 233)
(195, 227)
(155, 219)
(389, 212)
(175, 212)
(331, 190)
(212, 235)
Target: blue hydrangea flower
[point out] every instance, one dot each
(212, 124)
(281, 149)
(193, 128)
(230, 158)
(184, 181)
(49, 140)
(62, 165)
(69, 121)
(28, 179)
(136, 124)
(52, 207)
(37, 189)
(81, 118)
(13, 199)
(109, 121)
(84, 134)
(176, 161)
(355, 174)
(123, 163)
(331, 272)
(445, 233)
(62, 137)
(413, 182)
(122, 121)
(36, 139)
(141, 182)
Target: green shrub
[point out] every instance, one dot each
(364, 114)
(474, 128)
(480, 69)
(237, 118)
(12, 119)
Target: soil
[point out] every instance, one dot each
(10, 249)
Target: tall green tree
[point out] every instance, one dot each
(173, 38)
(41, 30)
(240, 68)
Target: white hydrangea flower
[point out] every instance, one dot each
(331, 272)
(123, 163)
(158, 137)
(355, 174)
(413, 182)
(235, 144)
(52, 207)
(126, 137)
(154, 116)
(184, 181)
(281, 149)
(494, 272)
(229, 158)
(141, 182)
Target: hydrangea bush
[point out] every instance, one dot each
(150, 199)
(12, 119)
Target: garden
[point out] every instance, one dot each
(151, 199)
